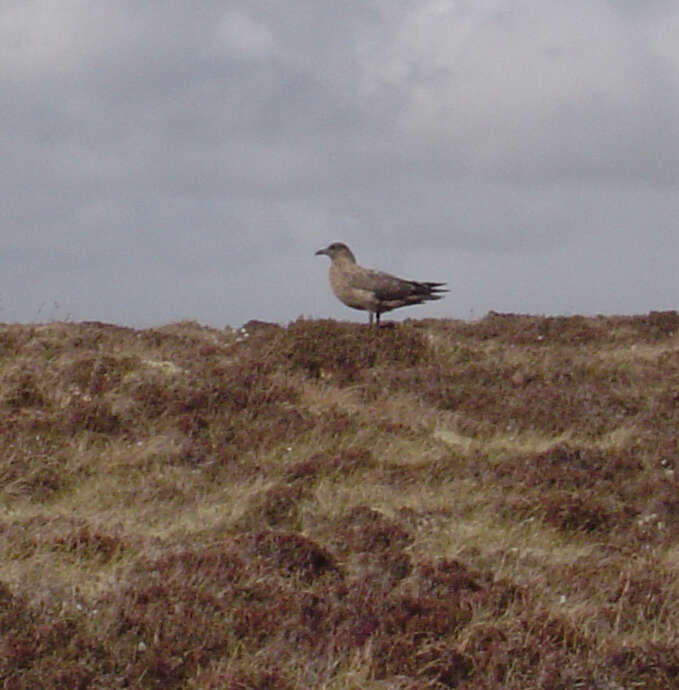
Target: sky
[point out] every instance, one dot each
(175, 160)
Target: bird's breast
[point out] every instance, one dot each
(340, 281)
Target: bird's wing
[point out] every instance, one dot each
(384, 286)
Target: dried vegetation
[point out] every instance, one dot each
(434, 504)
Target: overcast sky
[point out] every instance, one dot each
(184, 160)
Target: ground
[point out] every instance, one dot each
(327, 505)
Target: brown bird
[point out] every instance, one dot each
(370, 290)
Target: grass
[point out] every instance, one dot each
(429, 505)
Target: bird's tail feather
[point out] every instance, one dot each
(432, 288)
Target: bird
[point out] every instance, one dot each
(371, 290)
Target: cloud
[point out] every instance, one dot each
(214, 140)
(62, 40)
(239, 36)
(528, 90)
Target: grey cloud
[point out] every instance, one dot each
(158, 155)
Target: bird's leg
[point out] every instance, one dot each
(377, 318)
(370, 322)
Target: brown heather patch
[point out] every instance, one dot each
(525, 329)
(69, 538)
(426, 505)
(277, 506)
(341, 353)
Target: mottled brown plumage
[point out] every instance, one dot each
(373, 291)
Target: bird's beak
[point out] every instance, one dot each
(321, 251)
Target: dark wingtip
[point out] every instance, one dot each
(436, 288)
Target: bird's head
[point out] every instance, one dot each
(338, 250)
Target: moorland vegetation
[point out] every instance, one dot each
(431, 504)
